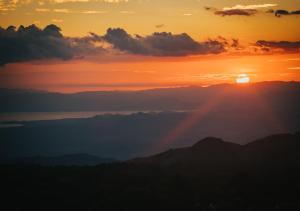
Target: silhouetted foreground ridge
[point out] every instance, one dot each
(210, 175)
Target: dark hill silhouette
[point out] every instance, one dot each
(63, 160)
(280, 149)
(209, 151)
(201, 177)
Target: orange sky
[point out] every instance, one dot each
(123, 69)
(142, 73)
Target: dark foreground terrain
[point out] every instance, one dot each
(210, 175)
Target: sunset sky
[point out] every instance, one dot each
(140, 44)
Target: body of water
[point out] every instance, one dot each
(7, 118)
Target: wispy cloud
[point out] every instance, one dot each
(159, 26)
(8, 5)
(66, 11)
(104, 1)
(239, 10)
(127, 12)
(279, 13)
(287, 46)
(42, 10)
(57, 20)
(92, 12)
(62, 10)
(249, 7)
(294, 68)
(36, 22)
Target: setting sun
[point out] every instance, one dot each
(242, 79)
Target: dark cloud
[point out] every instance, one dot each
(159, 26)
(230, 44)
(283, 45)
(240, 12)
(32, 43)
(209, 8)
(161, 44)
(279, 13)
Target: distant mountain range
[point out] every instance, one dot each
(141, 134)
(237, 113)
(277, 94)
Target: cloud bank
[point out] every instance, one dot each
(241, 12)
(279, 13)
(161, 44)
(292, 47)
(250, 10)
(32, 43)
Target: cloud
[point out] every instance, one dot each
(240, 12)
(93, 12)
(32, 43)
(159, 26)
(209, 8)
(67, 11)
(62, 10)
(127, 12)
(57, 20)
(160, 44)
(42, 10)
(11, 5)
(279, 13)
(249, 7)
(8, 5)
(105, 1)
(285, 46)
(294, 68)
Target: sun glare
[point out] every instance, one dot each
(242, 79)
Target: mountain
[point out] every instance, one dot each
(237, 113)
(209, 151)
(64, 160)
(211, 175)
(140, 134)
(280, 149)
(276, 94)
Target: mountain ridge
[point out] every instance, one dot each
(215, 151)
(153, 99)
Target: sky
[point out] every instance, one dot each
(81, 45)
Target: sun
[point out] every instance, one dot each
(242, 79)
